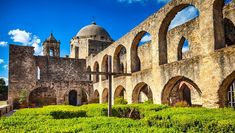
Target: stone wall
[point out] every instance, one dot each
(58, 76)
(205, 67)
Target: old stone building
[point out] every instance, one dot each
(160, 70)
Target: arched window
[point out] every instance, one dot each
(183, 16)
(89, 75)
(96, 69)
(177, 16)
(38, 73)
(51, 52)
(140, 39)
(231, 95)
(218, 24)
(119, 60)
(183, 48)
(104, 67)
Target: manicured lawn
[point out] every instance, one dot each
(127, 118)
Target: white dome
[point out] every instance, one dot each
(93, 30)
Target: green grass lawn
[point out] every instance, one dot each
(126, 118)
(3, 103)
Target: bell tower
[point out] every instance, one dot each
(51, 47)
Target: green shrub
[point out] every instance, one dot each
(120, 100)
(148, 102)
(181, 104)
(59, 114)
(93, 118)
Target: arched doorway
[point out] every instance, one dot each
(105, 96)
(120, 92)
(96, 97)
(141, 93)
(73, 97)
(42, 96)
(84, 99)
(227, 91)
(181, 89)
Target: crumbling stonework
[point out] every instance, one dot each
(160, 71)
(205, 67)
(46, 80)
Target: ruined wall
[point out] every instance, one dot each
(206, 65)
(61, 69)
(58, 76)
(22, 72)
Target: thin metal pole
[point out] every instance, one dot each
(110, 86)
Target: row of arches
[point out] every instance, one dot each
(177, 89)
(143, 37)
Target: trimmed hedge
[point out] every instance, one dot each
(92, 118)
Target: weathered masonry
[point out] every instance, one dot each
(161, 70)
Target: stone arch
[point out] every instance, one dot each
(218, 24)
(135, 60)
(104, 67)
(119, 60)
(105, 95)
(96, 69)
(176, 90)
(120, 91)
(76, 96)
(162, 33)
(89, 75)
(142, 92)
(85, 97)
(229, 29)
(73, 96)
(180, 53)
(223, 90)
(96, 97)
(42, 96)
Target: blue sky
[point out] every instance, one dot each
(30, 22)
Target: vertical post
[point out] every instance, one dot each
(110, 86)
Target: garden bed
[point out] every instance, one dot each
(126, 118)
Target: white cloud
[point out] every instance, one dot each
(20, 36)
(185, 49)
(3, 43)
(183, 16)
(146, 38)
(35, 43)
(27, 39)
(1, 61)
(5, 67)
(5, 79)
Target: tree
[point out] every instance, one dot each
(3, 89)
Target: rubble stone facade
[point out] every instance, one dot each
(160, 71)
